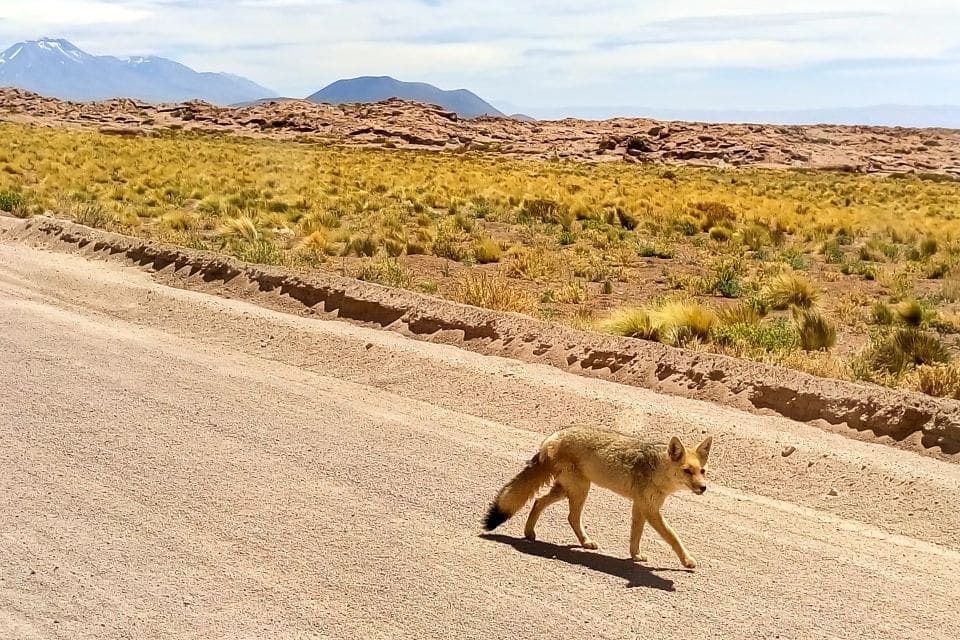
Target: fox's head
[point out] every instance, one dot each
(690, 467)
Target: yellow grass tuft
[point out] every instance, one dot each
(680, 322)
(631, 323)
(791, 289)
(942, 381)
(483, 290)
(817, 333)
(239, 228)
(179, 221)
(739, 314)
(486, 250)
(317, 243)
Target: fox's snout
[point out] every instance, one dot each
(700, 490)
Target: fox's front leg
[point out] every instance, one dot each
(667, 533)
(636, 531)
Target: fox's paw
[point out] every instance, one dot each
(689, 563)
(530, 535)
(639, 557)
(590, 544)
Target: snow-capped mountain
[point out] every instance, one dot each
(59, 69)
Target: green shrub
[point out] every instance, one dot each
(11, 201)
(259, 251)
(687, 225)
(653, 251)
(882, 314)
(795, 258)
(906, 348)
(774, 336)
(832, 253)
(726, 280)
(720, 234)
(447, 245)
(385, 271)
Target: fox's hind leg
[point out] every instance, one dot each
(577, 487)
(557, 492)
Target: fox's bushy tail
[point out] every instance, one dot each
(517, 492)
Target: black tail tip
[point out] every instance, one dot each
(495, 517)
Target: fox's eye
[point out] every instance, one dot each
(689, 472)
(703, 471)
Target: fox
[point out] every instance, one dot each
(577, 457)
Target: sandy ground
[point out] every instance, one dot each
(175, 464)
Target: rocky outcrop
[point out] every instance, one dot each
(401, 124)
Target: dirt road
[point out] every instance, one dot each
(179, 465)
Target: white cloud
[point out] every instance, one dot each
(32, 15)
(518, 50)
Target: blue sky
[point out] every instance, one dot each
(736, 54)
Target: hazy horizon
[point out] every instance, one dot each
(543, 55)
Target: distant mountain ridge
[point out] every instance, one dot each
(917, 116)
(57, 68)
(367, 89)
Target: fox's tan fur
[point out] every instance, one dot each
(576, 457)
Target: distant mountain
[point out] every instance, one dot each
(946, 116)
(59, 69)
(260, 101)
(374, 89)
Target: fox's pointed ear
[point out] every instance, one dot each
(703, 451)
(675, 449)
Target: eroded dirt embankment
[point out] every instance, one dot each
(911, 420)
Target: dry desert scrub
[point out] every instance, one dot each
(825, 272)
